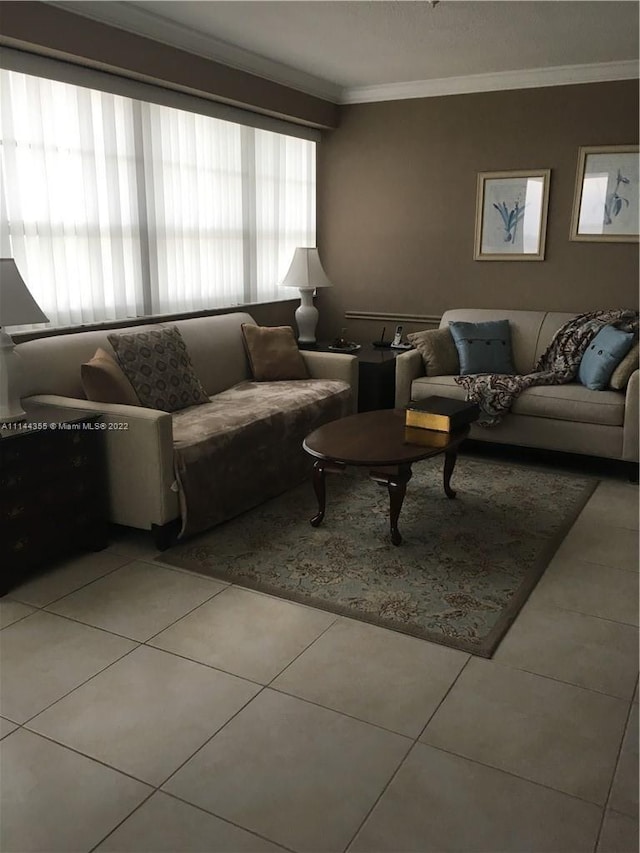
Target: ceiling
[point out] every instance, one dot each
(357, 51)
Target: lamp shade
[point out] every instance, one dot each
(306, 271)
(17, 305)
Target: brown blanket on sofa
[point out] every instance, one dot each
(495, 393)
(246, 445)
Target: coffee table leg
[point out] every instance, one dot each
(319, 488)
(320, 468)
(396, 483)
(449, 464)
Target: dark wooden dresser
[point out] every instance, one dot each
(53, 498)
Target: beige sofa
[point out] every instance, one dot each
(567, 417)
(259, 426)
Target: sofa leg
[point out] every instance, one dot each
(165, 535)
(633, 470)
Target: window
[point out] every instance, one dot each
(116, 208)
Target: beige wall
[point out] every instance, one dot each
(397, 195)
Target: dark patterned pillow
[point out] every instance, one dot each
(158, 365)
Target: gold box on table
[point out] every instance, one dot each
(441, 414)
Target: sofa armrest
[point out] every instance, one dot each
(409, 366)
(139, 460)
(631, 434)
(332, 365)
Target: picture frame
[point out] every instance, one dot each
(605, 204)
(511, 215)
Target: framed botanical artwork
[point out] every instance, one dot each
(511, 215)
(605, 205)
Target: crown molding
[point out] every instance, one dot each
(563, 75)
(128, 16)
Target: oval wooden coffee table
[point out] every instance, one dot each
(381, 442)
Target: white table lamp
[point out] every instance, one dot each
(17, 307)
(306, 274)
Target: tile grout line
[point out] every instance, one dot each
(230, 822)
(439, 705)
(385, 787)
(411, 748)
(515, 668)
(78, 621)
(71, 592)
(210, 738)
(263, 687)
(306, 648)
(340, 713)
(79, 752)
(613, 774)
(510, 773)
(544, 605)
(119, 824)
(82, 684)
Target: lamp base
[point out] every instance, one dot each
(306, 318)
(10, 407)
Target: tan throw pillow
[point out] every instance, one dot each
(273, 353)
(158, 365)
(104, 382)
(438, 351)
(623, 371)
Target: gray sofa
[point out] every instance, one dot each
(232, 453)
(568, 417)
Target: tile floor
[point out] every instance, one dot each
(149, 710)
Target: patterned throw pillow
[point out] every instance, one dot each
(438, 351)
(483, 347)
(158, 365)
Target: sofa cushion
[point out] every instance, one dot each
(602, 356)
(483, 347)
(621, 375)
(246, 444)
(104, 381)
(158, 366)
(442, 386)
(248, 403)
(438, 351)
(570, 402)
(216, 349)
(273, 353)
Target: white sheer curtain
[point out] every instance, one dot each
(193, 168)
(285, 204)
(69, 207)
(116, 208)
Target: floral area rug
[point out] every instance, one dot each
(463, 571)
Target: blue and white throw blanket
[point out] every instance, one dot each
(495, 393)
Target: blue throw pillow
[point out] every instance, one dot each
(602, 356)
(483, 347)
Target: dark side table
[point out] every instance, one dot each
(376, 376)
(53, 496)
